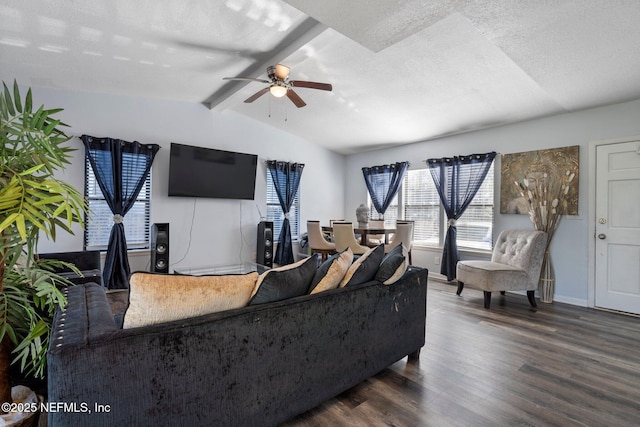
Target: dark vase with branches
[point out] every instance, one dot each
(32, 203)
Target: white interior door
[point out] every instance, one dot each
(618, 227)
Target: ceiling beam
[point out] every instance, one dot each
(294, 40)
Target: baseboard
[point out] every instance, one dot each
(441, 278)
(558, 298)
(573, 301)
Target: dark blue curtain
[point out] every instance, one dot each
(121, 169)
(457, 180)
(286, 180)
(383, 183)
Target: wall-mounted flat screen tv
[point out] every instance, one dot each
(207, 172)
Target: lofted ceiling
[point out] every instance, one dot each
(402, 71)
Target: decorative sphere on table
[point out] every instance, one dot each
(362, 215)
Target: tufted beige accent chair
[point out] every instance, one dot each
(515, 266)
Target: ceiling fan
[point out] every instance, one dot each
(280, 85)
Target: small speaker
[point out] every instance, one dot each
(160, 248)
(264, 251)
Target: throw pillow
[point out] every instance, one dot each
(157, 298)
(393, 266)
(284, 282)
(331, 272)
(364, 268)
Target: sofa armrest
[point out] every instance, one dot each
(87, 315)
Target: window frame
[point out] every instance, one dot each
(96, 196)
(438, 242)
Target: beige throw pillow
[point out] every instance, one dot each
(156, 298)
(336, 268)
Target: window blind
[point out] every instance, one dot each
(419, 202)
(100, 219)
(275, 214)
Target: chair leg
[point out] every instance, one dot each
(531, 296)
(487, 299)
(460, 287)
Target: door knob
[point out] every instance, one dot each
(602, 236)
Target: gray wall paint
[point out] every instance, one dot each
(224, 231)
(332, 184)
(569, 249)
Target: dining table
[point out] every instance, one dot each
(365, 232)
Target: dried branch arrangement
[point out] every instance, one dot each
(547, 200)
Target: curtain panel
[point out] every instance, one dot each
(121, 169)
(457, 180)
(286, 180)
(383, 183)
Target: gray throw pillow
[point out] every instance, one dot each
(393, 266)
(284, 282)
(364, 268)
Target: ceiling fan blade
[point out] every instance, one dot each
(311, 85)
(282, 71)
(256, 55)
(257, 95)
(247, 78)
(295, 98)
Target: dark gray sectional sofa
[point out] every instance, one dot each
(253, 366)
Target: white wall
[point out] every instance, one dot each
(569, 249)
(332, 185)
(222, 231)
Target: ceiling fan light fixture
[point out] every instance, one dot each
(280, 86)
(278, 91)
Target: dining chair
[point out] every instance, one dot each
(343, 236)
(376, 239)
(403, 235)
(317, 243)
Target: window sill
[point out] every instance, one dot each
(142, 251)
(461, 250)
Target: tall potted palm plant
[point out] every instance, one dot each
(32, 202)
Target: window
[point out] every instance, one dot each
(274, 211)
(100, 220)
(418, 201)
(390, 216)
(476, 223)
(421, 204)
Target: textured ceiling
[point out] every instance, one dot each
(402, 71)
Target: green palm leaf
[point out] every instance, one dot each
(32, 201)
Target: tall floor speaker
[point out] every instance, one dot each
(264, 251)
(160, 247)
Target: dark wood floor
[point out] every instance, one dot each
(512, 365)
